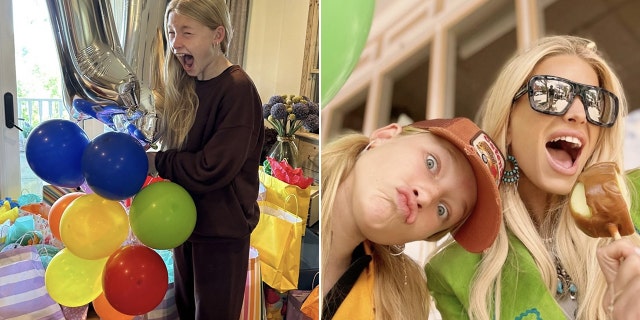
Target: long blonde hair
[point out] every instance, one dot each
(177, 109)
(392, 297)
(575, 250)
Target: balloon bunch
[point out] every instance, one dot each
(93, 224)
(118, 87)
(93, 230)
(97, 265)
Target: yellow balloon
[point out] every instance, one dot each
(72, 281)
(93, 227)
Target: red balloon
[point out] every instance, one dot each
(151, 180)
(135, 279)
(148, 181)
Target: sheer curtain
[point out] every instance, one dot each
(239, 10)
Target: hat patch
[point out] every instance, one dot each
(490, 155)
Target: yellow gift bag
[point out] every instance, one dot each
(287, 196)
(278, 239)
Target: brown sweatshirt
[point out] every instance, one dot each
(219, 164)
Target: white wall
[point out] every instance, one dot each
(632, 141)
(275, 45)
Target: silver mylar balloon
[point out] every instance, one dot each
(141, 37)
(100, 81)
(141, 33)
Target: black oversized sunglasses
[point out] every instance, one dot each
(554, 95)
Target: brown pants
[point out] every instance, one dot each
(210, 278)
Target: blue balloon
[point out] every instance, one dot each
(84, 107)
(102, 112)
(54, 151)
(115, 165)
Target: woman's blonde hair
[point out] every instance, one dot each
(177, 108)
(394, 296)
(575, 250)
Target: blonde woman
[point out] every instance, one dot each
(401, 184)
(553, 110)
(212, 131)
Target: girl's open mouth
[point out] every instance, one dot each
(186, 60)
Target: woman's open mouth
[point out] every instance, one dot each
(564, 151)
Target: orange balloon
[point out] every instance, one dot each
(55, 214)
(106, 312)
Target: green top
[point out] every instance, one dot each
(451, 271)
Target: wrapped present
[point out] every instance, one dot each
(295, 298)
(51, 193)
(75, 313)
(253, 305)
(24, 294)
(166, 310)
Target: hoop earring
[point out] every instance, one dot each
(369, 145)
(512, 176)
(366, 148)
(396, 250)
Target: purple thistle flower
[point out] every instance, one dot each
(313, 108)
(276, 99)
(279, 111)
(312, 123)
(301, 110)
(266, 110)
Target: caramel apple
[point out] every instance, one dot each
(597, 203)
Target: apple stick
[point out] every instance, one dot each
(613, 229)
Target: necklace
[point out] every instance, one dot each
(566, 290)
(565, 284)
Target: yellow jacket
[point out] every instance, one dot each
(358, 304)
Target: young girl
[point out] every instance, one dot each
(211, 132)
(402, 184)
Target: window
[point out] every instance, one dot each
(31, 79)
(38, 78)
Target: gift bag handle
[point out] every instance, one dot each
(286, 201)
(263, 178)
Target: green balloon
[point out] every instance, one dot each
(345, 26)
(162, 215)
(633, 175)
